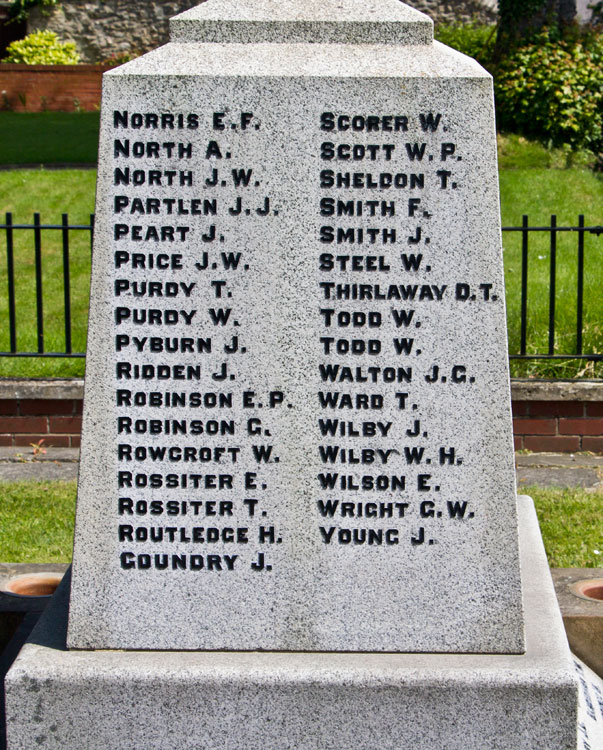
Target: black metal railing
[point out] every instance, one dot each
(553, 230)
(65, 228)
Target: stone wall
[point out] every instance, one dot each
(101, 28)
(446, 11)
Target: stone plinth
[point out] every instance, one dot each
(66, 700)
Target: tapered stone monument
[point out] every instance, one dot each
(297, 432)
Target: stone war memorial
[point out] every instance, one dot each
(297, 524)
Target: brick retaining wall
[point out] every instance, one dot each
(558, 426)
(549, 416)
(53, 88)
(558, 416)
(49, 410)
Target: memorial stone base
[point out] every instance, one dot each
(150, 700)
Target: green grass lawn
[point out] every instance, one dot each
(565, 193)
(36, 523)
(48, 137)
(545, 186)
(52, 193)
(570, 521)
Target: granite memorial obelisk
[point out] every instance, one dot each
(297, 430)
(286, 368)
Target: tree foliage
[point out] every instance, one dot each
(521, 20)
(19, 9)
(554, 90)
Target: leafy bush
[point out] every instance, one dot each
(554, 91)
(473, 39)
(42, 48)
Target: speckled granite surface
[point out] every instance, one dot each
(318, 222)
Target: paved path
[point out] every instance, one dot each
(560, 470)
(544, 469)
(17, 464)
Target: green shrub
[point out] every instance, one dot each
(42, 48)
(473, 39)
(553, 91)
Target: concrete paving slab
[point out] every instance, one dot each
(25, 455)
(20, 464)
(560, 470)
(38, 471)
(558, 477)
(569, 460)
